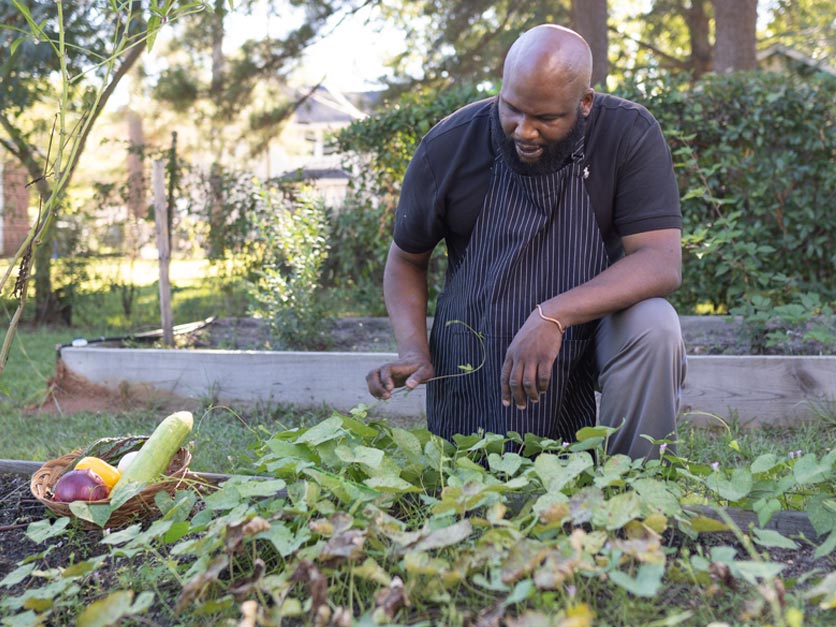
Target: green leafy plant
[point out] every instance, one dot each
(378, 149)
(292, 233)
(356, 521)
(805, 321)
(752, 153)
(134, 28)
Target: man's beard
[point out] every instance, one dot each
(555, 154)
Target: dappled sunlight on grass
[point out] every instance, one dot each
(105, 271)
(31, 363)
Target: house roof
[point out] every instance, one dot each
(778, 51)
(324, 106)
(305, 174)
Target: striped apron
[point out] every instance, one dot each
(535, 238)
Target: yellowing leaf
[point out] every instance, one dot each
(420, 563)
(107, 611)
(580, 615)
(372, 571)
(39, 605)
(555, 570)
(554, 513)
(657, 522)
(648, 550)
(523, 558)
(704, 524)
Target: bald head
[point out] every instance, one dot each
(549, 53)
(545, 98)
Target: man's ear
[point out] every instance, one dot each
(586, 101)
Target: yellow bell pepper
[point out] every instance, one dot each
(108, 473)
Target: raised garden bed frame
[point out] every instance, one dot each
(773, 389)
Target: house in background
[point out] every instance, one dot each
(781, 58)
(14, 207)
(304, 150)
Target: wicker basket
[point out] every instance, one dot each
(139, 507)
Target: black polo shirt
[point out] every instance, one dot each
(631, 182)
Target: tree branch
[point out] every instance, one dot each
(672, 61)
(131, 58)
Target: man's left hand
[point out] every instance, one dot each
(527, 369)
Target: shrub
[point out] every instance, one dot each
(378, 151)
(292, 233)
(754, 157)
(753, 154)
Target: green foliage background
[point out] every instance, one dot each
(379, 149)
(753, 154)
(754, 158)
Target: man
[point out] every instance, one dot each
(560, 211)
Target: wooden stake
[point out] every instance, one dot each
(161, 223)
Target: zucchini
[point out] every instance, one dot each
(155, 454)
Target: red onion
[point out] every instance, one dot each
(80, 485)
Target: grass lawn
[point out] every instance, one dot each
(221, 436)
(103, 307)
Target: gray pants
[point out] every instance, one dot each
(641, 368)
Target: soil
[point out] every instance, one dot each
(346, 335)
(703, 335)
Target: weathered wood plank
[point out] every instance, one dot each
(773, 389)
(767, 389)
(307, 379)
(788, 524)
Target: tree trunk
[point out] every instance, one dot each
(699, 29)
(172, 184)
(137, 205)
(217, 47)
(216, 212)
(45, 300)
(216, 198)
(589, 19)
(735, 22)
(164, 251)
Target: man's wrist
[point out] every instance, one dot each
(560, 326)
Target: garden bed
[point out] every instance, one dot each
(237, 363)
(646, 567)
(18, 508)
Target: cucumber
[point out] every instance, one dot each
(156, 453)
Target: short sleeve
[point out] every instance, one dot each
(418, 225)
(646, 193)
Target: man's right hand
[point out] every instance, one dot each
(407, 371)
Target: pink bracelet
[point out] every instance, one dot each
(554, 320)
